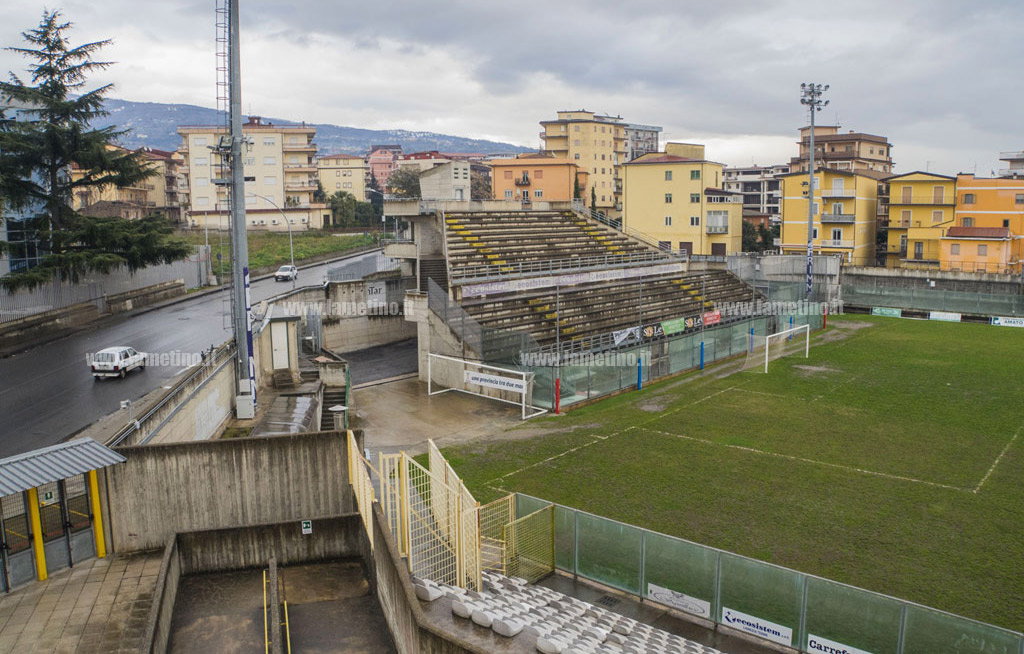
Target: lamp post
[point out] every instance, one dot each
(811, 97)
(383, 218)
(288, 224)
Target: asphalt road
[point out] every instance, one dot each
(48, 393)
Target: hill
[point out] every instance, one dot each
(154, 124)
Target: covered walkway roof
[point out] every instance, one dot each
(33, 469)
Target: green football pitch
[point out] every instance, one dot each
(891, 459)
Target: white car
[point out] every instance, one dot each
(116, 362)
(286, 273)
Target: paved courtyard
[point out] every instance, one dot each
(99, 606)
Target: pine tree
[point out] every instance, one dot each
(36, 156)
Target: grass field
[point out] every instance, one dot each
(892, 460)
(272, 249)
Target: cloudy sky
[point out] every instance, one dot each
(941, 79)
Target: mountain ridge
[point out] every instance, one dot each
(154, 124)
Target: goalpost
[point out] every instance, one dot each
(784, 343)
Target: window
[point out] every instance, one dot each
(539, 193)
(1006, 222)
(347, 185)
(937, 216)
(337, 185)
(837, 234)
(814, 233)
(202, 202)
(576, 156)
(538, 174)
(982, 250)
(815, 208)
(347, 173)
(269, 161)
(871, 150)
(202, 161)
(270, 180)
(968, 198)
(602, 157)
(576, 142)
(270, 140)
(668, 221)
(199, 140)
(602, 171)
(1019, 198)
(668, 198)
(508, 174)
(695, 174)
(668, 175)
(694, 221)
(954, 249)
(250, 161)
(202, 181)
(337, 173)
(508, 194)
(968, 221)
(695, 197)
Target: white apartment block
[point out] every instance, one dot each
(280, 173)
(759, 186)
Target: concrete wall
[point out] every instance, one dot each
(165, 489)
(237, 548)
(344, 330)
(140, 297)
(158, 626)
(967, 282)
(202, 413)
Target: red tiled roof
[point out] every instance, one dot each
(664, 158)
(978, 232)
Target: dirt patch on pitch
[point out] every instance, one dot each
(840, 330)
(814, 371)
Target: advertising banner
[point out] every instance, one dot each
(755, 626)
(945, 316)
(826, 646)
(495, 381)
(886, 311)
(680, 601)
(1003, 321)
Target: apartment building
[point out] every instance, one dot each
(921, 206)
(674, 197)
(854, 151)
(845, 207)
(759, 186)
(641, 139)
(383, 160)
(280, 170)
(343, 172)
(990, 213)
(598, 145)
(446, 181)
(418, 162)
(539, 177)
(1014, 164)
(18, 229)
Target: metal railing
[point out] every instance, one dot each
(838, 193)
(363, 267)
(717, 229)
(836, 243)
(922, 200)
(838, 217)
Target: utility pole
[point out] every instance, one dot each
(811, 96)
(245, 400)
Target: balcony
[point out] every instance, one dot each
(836, 243)
(717, 229)
(1015, 154)
(299, 186)
(838, 192)
(523, 181)
(298, 147)
(305, 167)
(1011, 172)
(848, 218)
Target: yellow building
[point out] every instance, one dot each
(978, 249)
(343, 172)
(539, 177)
(989, 204)
(156, 194)
(673, 197)
(921, 207)
(845, 205)
(281, 177)
(597, 144)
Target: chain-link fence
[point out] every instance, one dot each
(485, 344)
(530, 545)
(789, 607)
(985, 304)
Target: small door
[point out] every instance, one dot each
(279, 345)
(837, 184)
(685, 247)
(903, 243)
(16, 553)
(52, 519)
(83, 544)
(837, 233)
(908, 192)
(938, 195)
(918, 250)
(718, 249)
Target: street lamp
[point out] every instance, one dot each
(288, 224)
(811, 97)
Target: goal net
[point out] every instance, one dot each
(795, 341)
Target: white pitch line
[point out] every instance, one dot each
(790, 457)
(996, 462)
(600, 439)
(743, 390)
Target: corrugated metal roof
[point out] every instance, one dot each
(32, 469)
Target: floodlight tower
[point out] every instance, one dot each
(811, 96)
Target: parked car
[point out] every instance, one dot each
(286, 274)
(116, 362)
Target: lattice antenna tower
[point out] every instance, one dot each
(222, 148)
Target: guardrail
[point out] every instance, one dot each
(210, 366)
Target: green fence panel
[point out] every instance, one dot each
(932, 632)
(680, 574)
(851, 617)
(753, 593)
(565, 538)
(609, 552)
(525, 505)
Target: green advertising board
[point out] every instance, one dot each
(886, 311)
